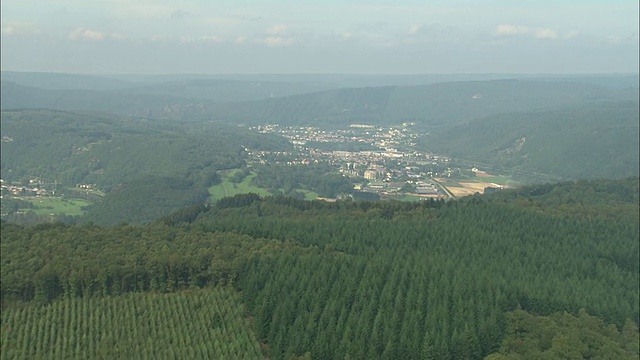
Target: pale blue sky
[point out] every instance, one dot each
(349, 36)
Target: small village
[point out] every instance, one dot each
(33, 188)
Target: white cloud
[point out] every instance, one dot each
(277, 30)
(273, 41)
(86, 35)
(10, 28)
(414, 29)
(571, 34)
(212, 39)
(545, 34)
(614, 39)
(512, 30)
(538, 33)
(240, 39)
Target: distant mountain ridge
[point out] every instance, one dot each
(426, 105)
(295, 104)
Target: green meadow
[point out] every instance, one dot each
(498, 179)
(227, 188)
(52, 205)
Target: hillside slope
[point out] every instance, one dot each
(146, 169)
(595, 140)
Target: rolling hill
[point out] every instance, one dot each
(596, 140)
(293, 103)
(432, 105)
(156, 167)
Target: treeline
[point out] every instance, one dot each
(47, 261)
(577, 193)
(564, 336)
(429, 279)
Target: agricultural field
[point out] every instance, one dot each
(54, 205)
(227, 188)
(477, 184)
(198, 324)
(464, 187)
(467, 188)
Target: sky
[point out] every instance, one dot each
(321, 36)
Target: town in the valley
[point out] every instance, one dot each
(383, 162)
(383, 158)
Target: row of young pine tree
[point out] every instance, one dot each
(360, 280)
(198, 324)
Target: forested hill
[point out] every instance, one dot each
(14, 96)
(177, 99)
(152, 167)
(295, 104)
(594, 140)
(427, 105)
(387, 280)
(104, 149)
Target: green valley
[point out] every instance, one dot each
(319, 216)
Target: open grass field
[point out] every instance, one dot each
(496, 179)
(54, 205)
(409, 198)
(227, 188)
(308, 195)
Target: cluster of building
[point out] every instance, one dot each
(386, 138)
(34, 188)
(390, 165)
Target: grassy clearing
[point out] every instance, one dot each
(227, 188)
(50, 205)
(409, 198)
(308, 195)
(500, 180)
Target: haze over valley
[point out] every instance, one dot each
(302, 181)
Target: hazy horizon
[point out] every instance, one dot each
(117, 37)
